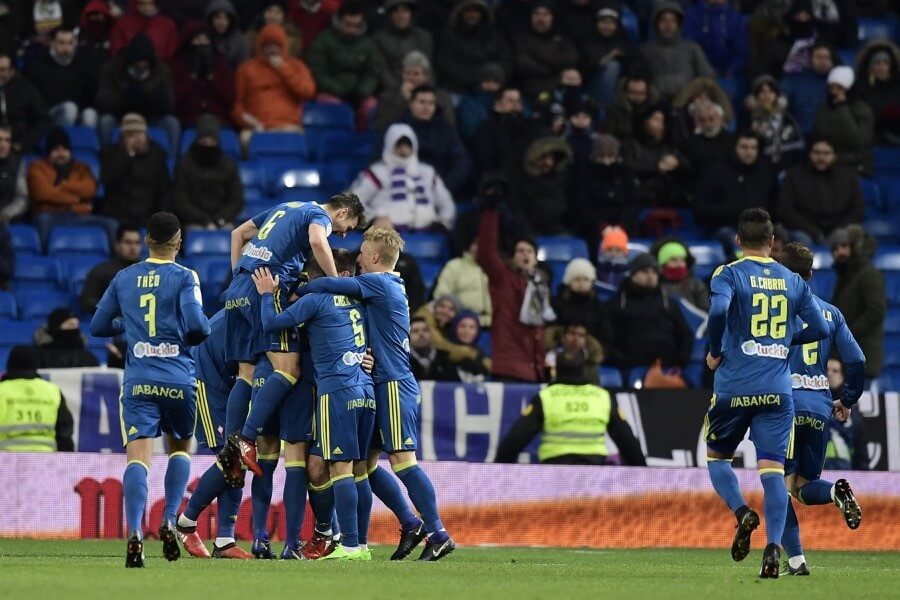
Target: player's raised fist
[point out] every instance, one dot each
(265, 283)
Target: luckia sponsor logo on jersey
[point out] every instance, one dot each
(818, 382)
(258, 252)
(751, 348)
(353, 358)
(164, 350)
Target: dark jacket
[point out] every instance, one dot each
(136, 187)
(540, 57)
(584, 309)
(595, 47)
(24, 110)
(805, 92)
(620, 113)
(441, 147)
(58, 83)
(232, 45)
(849, 126)
(392, 106)
(517, 350)
(602, 194)
(819, 202)
(642, 154)
(346, 67)
(579, 19)
(883, 97)
(702, 151)
(118, 93)
(7, 257)
(782, 141)
(721, 30)
(65, 354)
(439, 368)
(673, 62)
(409, 271)
(461, 51)
(859, 293)
(544, 199)
(728, 187)
(98, 279)
(200, 86)
(394, 44)
(501, 140)
(647, 325)
(207, 194)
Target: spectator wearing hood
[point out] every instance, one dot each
(394, 102)
(576, 301)
(744, 180)
(208, 193)
(21, 366)
(311, 17)
(465, 329)
(62, 189)
(469, 41)
(685, 112)
(438, 314)
(397, 38)
(504, 135)
(22, 108)
(202, 79)
(64, 80)
(227, 37)
(721, 30)
(135, 81)
(401, 192)
(847, 121)
(673, 61)
(143, 16)
(634, 94)
(439, 143)
(604, 192)
(463, 278)
(541, 52)
(474, 107)
(606, 54)
(647, 325)
(778, 130)
(859, 292)
(878, 85)
(711, 142)
(520, 298)
(13, 184)
(134, 174)
(540, 186)
(658, 164)
(93, 34)
(346, 62)
(60, 343)
(807, 89)
(580, 127)
(40, 18)
(676, 276)
(273, 13)
(820, 196)
(271, 87)
(612, 260)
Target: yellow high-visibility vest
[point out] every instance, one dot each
(28, 410)
(575, 420)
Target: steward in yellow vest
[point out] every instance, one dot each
(33, 413)
(573, 418)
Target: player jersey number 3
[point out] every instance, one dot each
(770, 316)
(149, 301)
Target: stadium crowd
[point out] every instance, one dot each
(634, 129)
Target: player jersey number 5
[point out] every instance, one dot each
(359, 330)
(770, 316)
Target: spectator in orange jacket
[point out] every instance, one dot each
(62, 189)
(144, 16)
(271, 87)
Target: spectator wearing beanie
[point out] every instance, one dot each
(606, 53)
(208, 193)
(603, 192)
(847, 122)
(60, 343)
(144, 18)
(468, 42)
(394, 102)
(674, 61)
(397, 38)
(576, 301)
(227, 36)
(676, 278)
(878, 85)
(202, 79)
(778, 129)
(612, 261)
(475, 107)
(541, 52)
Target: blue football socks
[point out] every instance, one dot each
(423, 497)
(725, 483)
(238, 405)
(385, 486)
(364, 507)
(134, 484)
(321, 500)
(815, 492)
(790, 539)
(210, 486)
(177, 474)
(261, 493)
(775, 503)
(294, 500)
(266, 401)
(346, 502)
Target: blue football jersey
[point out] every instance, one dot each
(336, 328)
(752, 322)
(387, 320)
(160, 304)
(211, 366)
(809, 365)
(282, 242)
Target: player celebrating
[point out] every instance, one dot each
(752, 324)
(158, 391)
(813, 408)
(281, 239)
(396, 391)
(346, 402)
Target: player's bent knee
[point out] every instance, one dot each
(268, 445)
(245, 371)
(286, 362)
(405, 456)
(317, 470)
(294, 451)
(340, 469)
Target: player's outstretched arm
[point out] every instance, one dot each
(342, 286)
(106, 321)
(273, 320)
(809, 311)
(191, 302)
(321, 249)
(242, 234)
(854, 363)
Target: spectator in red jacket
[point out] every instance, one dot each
(201, 77)
(144, 16)
(521, 304)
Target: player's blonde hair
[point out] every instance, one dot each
(388, 242)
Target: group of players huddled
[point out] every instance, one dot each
(322, 352)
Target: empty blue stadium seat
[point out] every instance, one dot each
(212, 270)
(630, 24)
(228, 141)
(892, 287)
(84, 139)
(892, 351)
(557, 271)
(37, 272)
(25, 239)
(693, 374)
(886, 159)
(887, 258)
(636, 377)
(274, 167)
(87, 239)
(430, 270)
(254, 207)
(351, 242)
(883, 229)
(709, 254)
(822, 283)
(251, 175)
(330, 116)
(342, 143)
(301, 178)
(339, 174)
(298, 194)
(892, 323)
(19, 332)
(7, 308)
(432, 246)
(76, 268)
(871, 193)
(870, 29)
(561, 248)
(4, 355)
(889, 185)
(37, 304)
(610, 377)
(637, 246)
(277, 144)
(207, 242)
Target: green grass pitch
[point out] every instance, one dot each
(72, 570)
